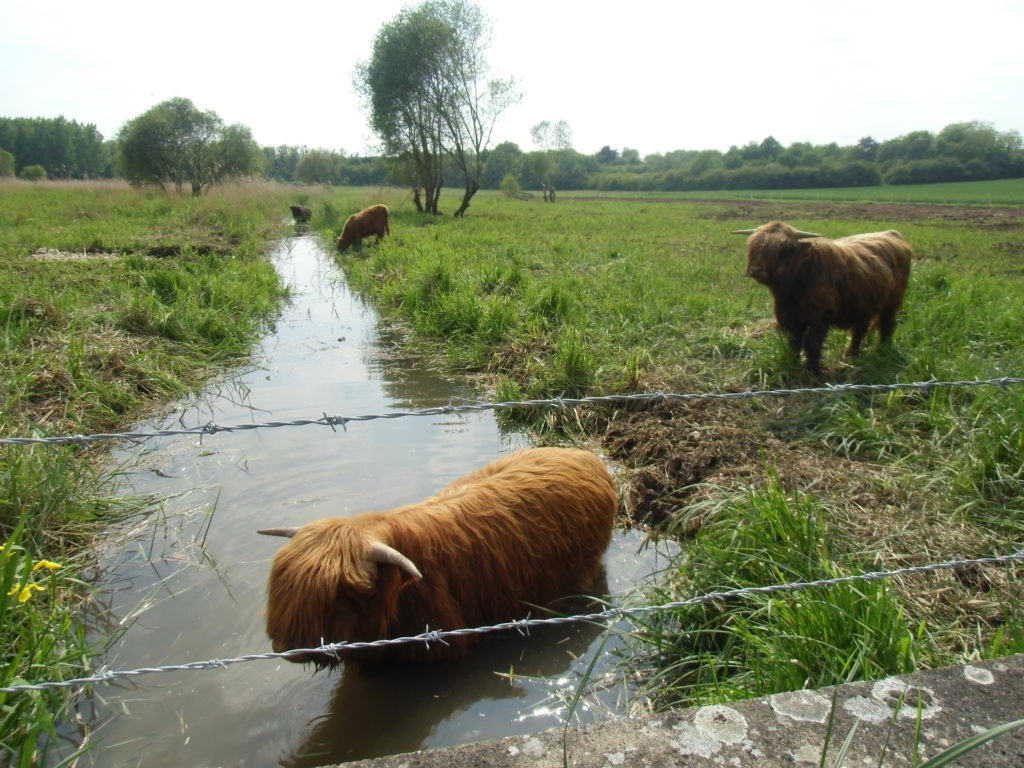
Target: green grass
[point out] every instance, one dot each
(113, 300)
(765, 643)
(998, 192)
(601, 295)
(587, 296)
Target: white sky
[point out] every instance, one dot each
(652, 75)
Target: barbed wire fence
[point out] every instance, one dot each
(523, 626)
(334, 651)
(213, 428)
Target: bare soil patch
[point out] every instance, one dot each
(680, 454)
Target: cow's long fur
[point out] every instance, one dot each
(374, 220)
(522, 532)
(301, 213)
(855, 283)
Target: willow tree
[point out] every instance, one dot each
(176, 143)
(553, 140)
(429, 97)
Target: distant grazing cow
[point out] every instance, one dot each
(301, 214)
(854, 283)
(374, 220)
(521, 532)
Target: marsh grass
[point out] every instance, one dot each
(113, 301)
(598, 295)
(766, 643)
(115, 298)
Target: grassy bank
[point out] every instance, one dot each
(113, 300)
(599, 296)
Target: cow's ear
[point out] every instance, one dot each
(391, 578)
(803, 246)
(408, 581)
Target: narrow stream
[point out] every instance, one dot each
(188, 585)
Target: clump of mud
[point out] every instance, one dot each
(679, 453)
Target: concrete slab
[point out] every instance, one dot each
(899, 721)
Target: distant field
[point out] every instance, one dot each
(1001, 192)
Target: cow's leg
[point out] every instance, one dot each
(857, 334)
(813, 339)
(886, 323)
(795, 338)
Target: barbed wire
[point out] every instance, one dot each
(213, 428)
(522, 626)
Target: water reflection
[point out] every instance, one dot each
(405, 707)
(189, 584)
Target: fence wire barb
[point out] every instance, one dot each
(213, 428)
(520, 625)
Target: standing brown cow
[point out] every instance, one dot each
(855, 283)
(301, 214)
(374, 220)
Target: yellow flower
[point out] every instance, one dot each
(25, 592)
(48, 564)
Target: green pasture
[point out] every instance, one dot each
(600, 296)
(116, 299)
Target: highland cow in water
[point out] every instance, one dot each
(522, 532)
(854, 283)
(301, 214)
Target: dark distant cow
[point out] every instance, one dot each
(522, 532)
(301, 214)
(854, 283)
(374, 220)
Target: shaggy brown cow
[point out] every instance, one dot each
(854, 283)
(521, 532)
(301, 214)
(374, 220)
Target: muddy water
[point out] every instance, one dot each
(189, 584)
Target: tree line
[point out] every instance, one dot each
(52, 147)
(969, 151)
(65, 149)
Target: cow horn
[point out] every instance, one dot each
(286, 532)
(382, 553)
(804, 235)
(744, 231)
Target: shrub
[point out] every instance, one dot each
(6, 163)
(33, 173)
(510, 186)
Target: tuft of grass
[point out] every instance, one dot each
(769, 642)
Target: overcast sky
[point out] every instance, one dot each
(651, 75)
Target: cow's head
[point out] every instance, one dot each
(326, 585)
(769, 246)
